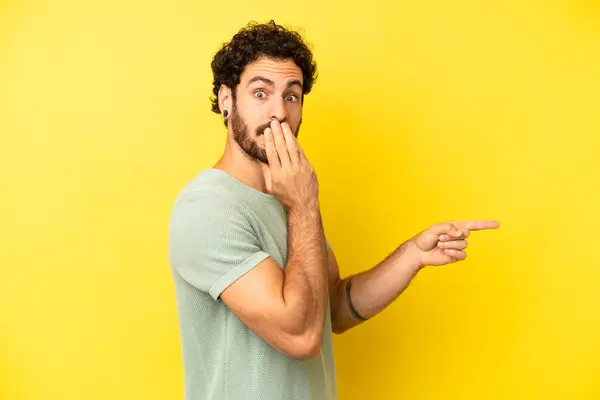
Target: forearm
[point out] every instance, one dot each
(305, 284)
(373, 290)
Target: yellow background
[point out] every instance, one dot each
(424, 111)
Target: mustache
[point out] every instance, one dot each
(261, 129)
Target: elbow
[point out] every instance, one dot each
(338, 330)
(337, 325)
(306, 347)
(308, 352)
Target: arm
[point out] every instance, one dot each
(287, 307)
(373, 290)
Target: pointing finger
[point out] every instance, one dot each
(477, 225)
(465, 226)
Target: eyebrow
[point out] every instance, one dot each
(271, 83)
(294, 83)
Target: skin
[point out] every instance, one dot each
(286, 307)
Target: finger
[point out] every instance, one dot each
(272, 156)
(301, 153)
(461, 233)
(291, 143)
(279, 140)
(267, 176)
(457, 255)
(445, 228)
(454, 244)
(477, 225)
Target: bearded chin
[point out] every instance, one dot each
(241, 134)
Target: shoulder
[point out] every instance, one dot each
(208, 206)
(207, 193)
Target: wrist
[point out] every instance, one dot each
(307, 208)
(410, 258)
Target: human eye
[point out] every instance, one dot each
(292, 98)
(260, 94)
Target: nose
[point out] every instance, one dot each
(278, 110)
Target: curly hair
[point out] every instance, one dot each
(257, 40)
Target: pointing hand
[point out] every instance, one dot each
(446, 242)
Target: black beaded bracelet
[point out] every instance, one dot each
(350, 305)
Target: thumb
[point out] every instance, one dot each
(428, 239)
(266, 171)
(445, 228)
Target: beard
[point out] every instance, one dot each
(241, 134)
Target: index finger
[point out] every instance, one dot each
(477, 225)
(272, 155)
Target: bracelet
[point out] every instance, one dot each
(353, 310)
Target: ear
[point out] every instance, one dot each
(225, 99)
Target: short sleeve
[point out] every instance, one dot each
(212, 242)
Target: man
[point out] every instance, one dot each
(258, 287)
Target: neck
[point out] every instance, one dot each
(239, 165)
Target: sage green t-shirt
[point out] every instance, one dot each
(219, 230)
